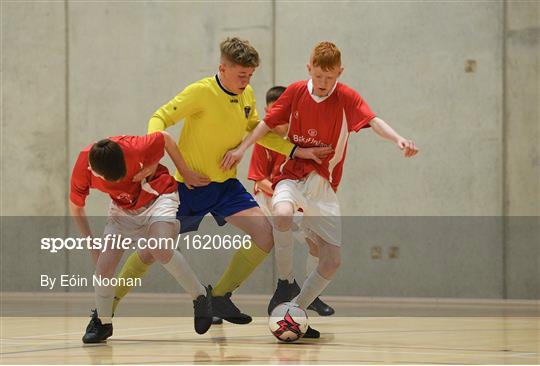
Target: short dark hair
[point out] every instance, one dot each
(239, 52)
(274, 93)
(107, 159)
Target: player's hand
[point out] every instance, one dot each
(265, 186)
(194, 179)
(231, 158)
(408, 147)
(145, 172)
(313, 153)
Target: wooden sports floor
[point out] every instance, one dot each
(386, 331)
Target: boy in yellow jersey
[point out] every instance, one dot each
(219, 111)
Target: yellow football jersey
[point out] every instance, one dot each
(216, 121)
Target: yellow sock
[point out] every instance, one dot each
(240, 267)
(133, 268)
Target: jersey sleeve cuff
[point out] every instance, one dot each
(76, 199)
(363, 124)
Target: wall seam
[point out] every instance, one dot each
(66, 137)
(2, 230)
(274, 267)
(504, 153)
(273, 42)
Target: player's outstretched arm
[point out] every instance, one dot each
(191, 178)
(184, 104)
(79, 216)
(384, 130)
(233, 157)
(313, 153)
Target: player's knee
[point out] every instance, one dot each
(283, 216)
(283, 209)
(335, 263)
(330, 265)
(283, 223)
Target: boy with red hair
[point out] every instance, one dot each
(320, 112)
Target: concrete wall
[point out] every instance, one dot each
(75, 72)
(34, 109)
(521, 148)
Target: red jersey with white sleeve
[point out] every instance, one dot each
(264, 163)
(138, 151)
(318, 121)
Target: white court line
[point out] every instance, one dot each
(169, 329)
(512, 353)
(174, 329)
(79, 332)
(69, 342)
(389, 350)
(525, 355)
(475, 354)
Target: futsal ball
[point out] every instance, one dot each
(288, 322)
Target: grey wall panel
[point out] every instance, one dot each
(33, 108)
(522, 144)
(477, 131)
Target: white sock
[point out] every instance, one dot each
(313, 286)
(284, 253)
(179, 268)
(311, 263)
(104, 299)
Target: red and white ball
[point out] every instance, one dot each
(288, 322)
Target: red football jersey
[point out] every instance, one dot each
(264, 163)
(315, 121)
(138, 151)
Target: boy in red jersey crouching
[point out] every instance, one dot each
(144, 201)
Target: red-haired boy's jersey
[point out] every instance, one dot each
(315, 121)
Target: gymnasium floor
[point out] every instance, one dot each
(462, 332)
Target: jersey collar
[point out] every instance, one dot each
(316, 98)
(223, 88)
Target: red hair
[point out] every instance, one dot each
(326, 56)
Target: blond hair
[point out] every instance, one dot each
(239, 52)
